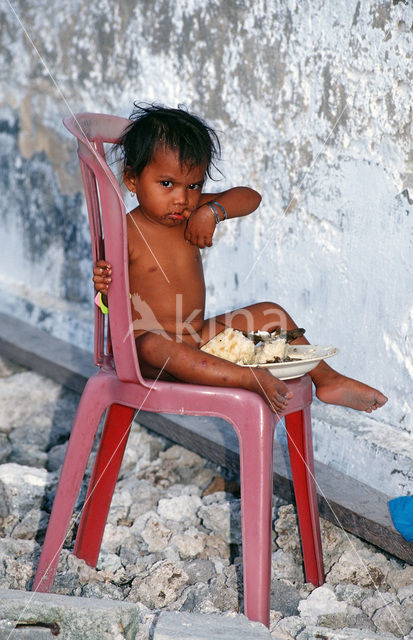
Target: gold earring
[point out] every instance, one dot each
(132, 194)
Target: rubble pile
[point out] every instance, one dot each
(173, 536)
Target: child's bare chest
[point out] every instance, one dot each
(166, 272)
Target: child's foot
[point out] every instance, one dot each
(338, 389)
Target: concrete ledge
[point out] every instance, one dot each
(45, 615)
(174, 625)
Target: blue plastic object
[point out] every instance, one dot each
(401, 511)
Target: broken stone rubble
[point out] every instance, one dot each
(169, 545)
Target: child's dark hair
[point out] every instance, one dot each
(156, 127)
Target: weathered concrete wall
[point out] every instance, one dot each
(314, 101)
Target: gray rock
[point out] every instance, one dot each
(289, 626)
(22, 488)
(174, 465)
(7, 525)
(116, 536)
(119, 512)
(200, 571)
(16, 563)
(180, 489)
(9, 368)
(275, 617)
(14, 411)
(5, 447)
(405, 592)
(335, 542)
(172, 625)
(398, 578)
(224, 592)
(377, 600)
(18, 548)
(189, 544)
(67, 583)
(395, 618)
(322, 607)
(366, 568)
(73, 618)
(180, 508)
(163, 585)
(196, 598)
(224, 519)
(15, 574)
(155, 534)
(42, 423)
(142, 494)
(28, 455)
(284, 598)
(358, 619)
(32, 525)
(352, 593)
(286, 526)
(141, 450)
(311, 632)
(128, 556)
(283, 566)
(55, 457)
(108, 562)
(182, 457)
(102, 590)
(216, 547)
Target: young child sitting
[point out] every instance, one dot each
(167, 154)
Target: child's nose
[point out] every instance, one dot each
(181, 196)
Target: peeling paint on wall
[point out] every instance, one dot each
(314, 102)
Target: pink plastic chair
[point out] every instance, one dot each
(119, 387)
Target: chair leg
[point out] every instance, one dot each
(78, 451)
(102, 484)
(298, 426)
(256, 467)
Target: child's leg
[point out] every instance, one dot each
(331, 386)
(164, 353)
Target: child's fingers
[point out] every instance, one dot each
(101, 277)
(198, 240)
(101, 283)
(101, 288)
(102, 267)
(100, 271)
(103, 263)
(101, 274)
(98, 279)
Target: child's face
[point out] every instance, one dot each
(167, 192)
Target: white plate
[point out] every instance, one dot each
(309, 354)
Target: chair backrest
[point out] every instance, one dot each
(115, 343)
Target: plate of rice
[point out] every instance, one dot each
(284, 361)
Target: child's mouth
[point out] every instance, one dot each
(177, 216)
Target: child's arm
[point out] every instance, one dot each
(236, 202)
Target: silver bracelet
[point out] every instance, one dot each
(224, 213)
(214, 211)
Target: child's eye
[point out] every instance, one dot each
(195, 186)
(166, 183)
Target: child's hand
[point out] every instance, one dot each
(102, 272)
(200, 227)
